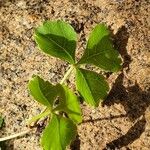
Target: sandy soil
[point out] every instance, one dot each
(122, 121)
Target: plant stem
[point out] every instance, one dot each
(15, 135)
(67, 74)
(44, 113)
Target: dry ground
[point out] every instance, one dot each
(122, 121)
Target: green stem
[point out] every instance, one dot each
(67, 74)
(41, 115)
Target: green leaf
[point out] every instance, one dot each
(69, 103)
(92, 86)
(100, 51)
(58, 134)
(1, 121)
(58, 39)
(42, 91)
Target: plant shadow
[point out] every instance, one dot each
(133, 133)
(5, 145)
(120, 43)
(75, 145)
(134, 100)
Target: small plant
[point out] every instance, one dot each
(58, 39)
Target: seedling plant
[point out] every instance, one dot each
(58, 39)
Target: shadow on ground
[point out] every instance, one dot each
(133, 98)
(6, 146)
(75, 145)
(135, 102)
(133, 133)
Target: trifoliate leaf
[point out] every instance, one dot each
(42, 91)
(57, 38)
(100, 51)
(92, 86)
(69, 103)
(58, 134)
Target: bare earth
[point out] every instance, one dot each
(122, 121)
